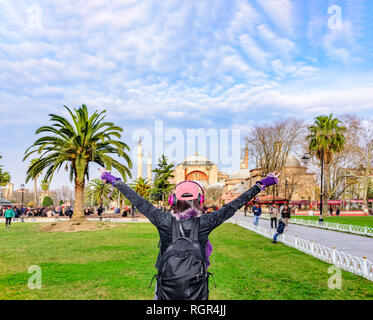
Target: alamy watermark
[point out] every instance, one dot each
(335, 20)
(218, 145)
(34, 282)
(34, 21)
(335, 281)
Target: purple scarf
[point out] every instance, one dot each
(189, 213)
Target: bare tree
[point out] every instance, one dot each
(364, 148)
(213, 194)
(270, 145)
(65, 194)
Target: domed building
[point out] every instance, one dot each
(243, 174)
(295, 184)
(198, 168)
(236, 183)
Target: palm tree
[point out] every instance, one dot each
(45, 186)
(141, 186)
(98, 191)
(75, 144)
(326, 137)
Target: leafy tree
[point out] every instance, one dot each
(4, 176)
(161, 184)
(326, 138)
(141, 186)
(74, 144)
(47, 202)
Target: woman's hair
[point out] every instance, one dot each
(182, 205)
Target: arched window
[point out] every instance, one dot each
(197, 176)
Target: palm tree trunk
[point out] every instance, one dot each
(326, 190)
(35, 191)
(79, 199)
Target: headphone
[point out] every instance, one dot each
(172, 200)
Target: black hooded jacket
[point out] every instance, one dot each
(162, 220)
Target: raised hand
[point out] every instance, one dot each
(271, 179)
(107, 177)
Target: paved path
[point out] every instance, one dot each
(354, 245)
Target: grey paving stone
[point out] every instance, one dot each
(354, 245)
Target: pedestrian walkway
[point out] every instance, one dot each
(354, 245)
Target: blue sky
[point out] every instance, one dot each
(193, 64)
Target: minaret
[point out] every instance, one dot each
(139, 159)
(246, 159)
(149, 166)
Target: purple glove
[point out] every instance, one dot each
(109, 178)
(270, 180)
(208, 252)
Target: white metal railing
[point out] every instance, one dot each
(361, 230)
(36, 219)
(358, 266)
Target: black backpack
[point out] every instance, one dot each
(182, 272)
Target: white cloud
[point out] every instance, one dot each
(245, 20)
(281, 46)
(256, 54)
(281, 13)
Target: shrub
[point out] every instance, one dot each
(47, 202)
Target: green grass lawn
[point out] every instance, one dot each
(119, 263)
(360, 221)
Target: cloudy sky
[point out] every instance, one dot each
(220, 64)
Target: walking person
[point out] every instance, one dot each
(257, 211)
(184, 253)
(9, 214)
(286, 212)
(273, 211)
(338, 212)
(246, 208)
(331, 211)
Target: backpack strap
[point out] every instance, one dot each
(194, 231)
(175, 229)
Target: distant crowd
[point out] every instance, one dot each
(67, 211)
(20, 211)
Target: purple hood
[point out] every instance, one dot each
(193, 213)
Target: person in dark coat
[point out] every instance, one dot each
(280, 230)
(338, 212)
(257, 211)
(100, 210)
(188, 210)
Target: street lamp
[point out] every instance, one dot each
(305, 160)
(306, 157)
(286, 189)
(92, 188)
